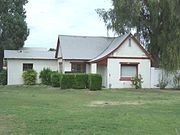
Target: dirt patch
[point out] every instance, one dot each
(10, 124)
(105, 103)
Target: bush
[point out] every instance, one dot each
(3, 77)
(137, 82)
(56, 79)
(29, 77)
(176, 81)
(80, 81)
(95, 81)
(45, 76)
(67, 81)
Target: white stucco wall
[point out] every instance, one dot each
(15, 69)
(114, 66)
(102, 70)
(114, 70)
(66, 66)
(129, 51)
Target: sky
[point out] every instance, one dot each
(47, 19)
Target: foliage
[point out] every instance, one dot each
(67, 81)
(137, 82)
(13, 27)
(3, 77)
(45, 76)
(176, 81)
(95, 82)
(56, 79)
(157, 24)
(80, 81)
(29, 77)
(162, 82)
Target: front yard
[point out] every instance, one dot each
(41, 110)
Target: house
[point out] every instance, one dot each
(27, 58)
(117, 59)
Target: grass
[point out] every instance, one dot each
(41, 110)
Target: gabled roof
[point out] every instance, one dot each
(28, 54)
(113, 46)
(117, 44)
(81, 47)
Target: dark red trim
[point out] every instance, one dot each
(138, 43)
(114, 49)
(102, 62)
(129, 57)
(78, 62)
(125, 79)
(129, 63)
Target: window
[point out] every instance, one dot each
(27, 66)
(76, 67)
(128, 70)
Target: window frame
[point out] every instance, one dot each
(128, 78)
(27, 65)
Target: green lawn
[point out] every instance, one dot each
(40, 110)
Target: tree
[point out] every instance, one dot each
(157, 24)
(13, 28)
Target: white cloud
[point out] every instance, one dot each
(49, 18)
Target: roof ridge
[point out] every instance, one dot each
(123, 36)
(104, 49)
(86, 36)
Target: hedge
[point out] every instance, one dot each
(45, 76)
(3, 77)
(80, 81)
(56, 79)
(29, 77)
(95, 82)
(67, 81)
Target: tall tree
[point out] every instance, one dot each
(13, 27)
(157, 24)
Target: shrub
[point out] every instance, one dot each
(29, 77)
(162, 84)
(95, 81)
(80, 81)
(137, 82)
(67, 81)
(56, 79)
(176, 81)
(45, 76)
(3, 77)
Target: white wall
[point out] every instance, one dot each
(129, 51)
(66, 66)
(114, 70)
(102, 70)
(157, 74)
(114, 67)
(15, 69)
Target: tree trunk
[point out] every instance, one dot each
(1, 59)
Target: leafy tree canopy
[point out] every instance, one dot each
(157, 24)
(13, 27)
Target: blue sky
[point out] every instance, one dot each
(48, 18)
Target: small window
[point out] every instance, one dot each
(80, 68)
(128, 71)
(27, 66)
